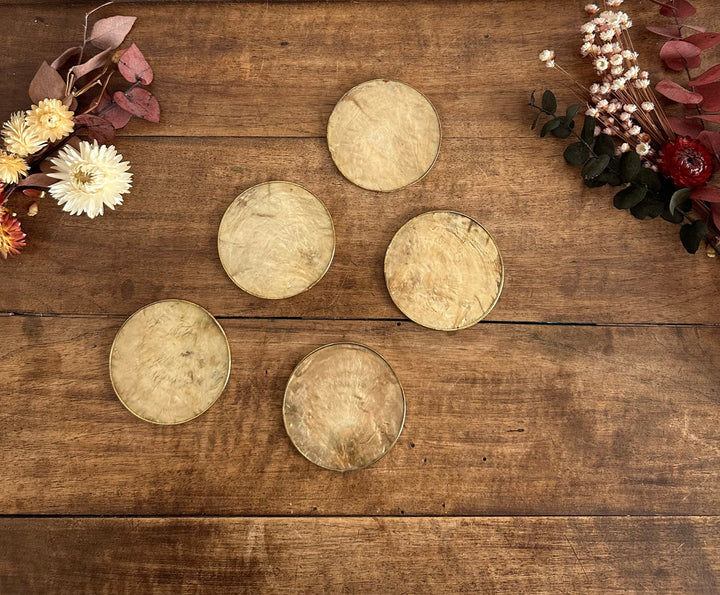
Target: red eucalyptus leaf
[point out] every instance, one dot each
(64, 58)
(711, 141)
(685, 126)
(98, 61)
(711, 97)
(708, 118)
(706, 193)
(676, 8)
(40, 180)
(117, 116)
(139, 102)
(134, 67)
(32, 192)
(704, 41)
(672, 31)
(678, 54)
(715, 211)
(711, 75)
(111, 32)
(694, 28)
(675, 92)
(97, 128)
(46, 83)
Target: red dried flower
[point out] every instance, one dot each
(687, 162)
(12, 237)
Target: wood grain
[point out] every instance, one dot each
(361, 555)
(277, 69)
(569, 255)
(501, 419)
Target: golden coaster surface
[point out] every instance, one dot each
(384, 135)
(276, 240)
(169, 362)
(344, 407)
(443, 270)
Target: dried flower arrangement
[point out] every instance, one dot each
(663, 164)
(61, 144)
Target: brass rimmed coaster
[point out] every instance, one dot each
(344, 407)
(276, 240)
(444, 271)
(169, 362)
(384, 135)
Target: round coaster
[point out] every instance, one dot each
(169, 362)
(444, 270)
(344, 407)
(276, 240)
(384, 135)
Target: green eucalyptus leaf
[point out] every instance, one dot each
(535, 121)
(691, 234)
(549, 103)
(572, 111)
(650, 178)
(562, 131)
(576, 153)
(604, 145)
(595, 167)
(595, 182)
(676, 217)
(629, 197)
(550, 125)
(630, 166)
(679, 197)
(532, 98)
(588, 131)
(648, 208)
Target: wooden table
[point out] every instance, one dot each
(569, 443)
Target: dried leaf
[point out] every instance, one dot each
(715, 212)
(46, 83)
(111, 32)
(98, 61)
(134, 67)
(112, 112)
(685, 126)
(33, 193)
(675, 92)
(678, 54)
(139, 102)
(97, 128)
(711, 97)
(707, 193)
(38, 180)
(33, 209)
(711, 140)
(62, 60)
(711, 75)
(675, 8)
(672, 31)
(704, 41)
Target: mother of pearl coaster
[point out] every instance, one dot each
(344, 407)
(276, 240)
(444, 270)
(169, 362)
(383, 135)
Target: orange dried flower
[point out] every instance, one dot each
(12, 237)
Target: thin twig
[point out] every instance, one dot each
(85, 26)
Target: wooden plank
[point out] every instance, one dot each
(360, 555)
(501, 419)
(264, 69)
(569, 255)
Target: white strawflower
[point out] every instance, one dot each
(602, 104)
(588, 28)
(610, 17)
(624, 148)
(616, 70)
(616, 60)
(648, 106)
(594, 89)
(607, 35)
(591, 8)
(546, 55)
(614, 3)
(608, 131)
(630, 108)
(624, 117)
(632, 72)
(90, 179)
(604, 89)
(12, 168)
(608, 49)
(642, 149)
(50, 120)
(550, 63)
(644, 74)
(585, 48)
(634, 131)
(19, 137)
(601, 64)
(591, 111)
(642, 83)
(612, 107)
(618, 84)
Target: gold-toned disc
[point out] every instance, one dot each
(444, 270)
(169, 362)
(276, 240)
(344, 407)
(384, 135)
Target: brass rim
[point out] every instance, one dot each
(325, 270)
(492, 239)
(220, 392)
(402, 394)
(437, 153)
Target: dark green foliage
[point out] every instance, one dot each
(596, 166)
(630, 196)
(549, 103)
(630, 166)
(577, 153)
(691, 234)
